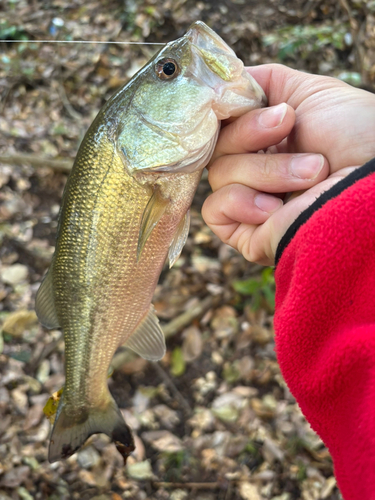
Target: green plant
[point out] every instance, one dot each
(174, 463)
(293, 41)
(8, 32)
(178, 364)
(258, 288)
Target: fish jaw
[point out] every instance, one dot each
(217, 66)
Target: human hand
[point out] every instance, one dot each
(316, 131)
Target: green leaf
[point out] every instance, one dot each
(256, 302)
(178, 365)
(270, 297)
(268, 276)
(231, 372)
(226, 413)
(247, 287)
(12, 32)
(21, 356)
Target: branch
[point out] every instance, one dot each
(37, 161)
(177, 324)
(195, 486)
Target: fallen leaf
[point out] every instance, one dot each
(19, 321)
(249, 491)
(163, 441)
(140, 470)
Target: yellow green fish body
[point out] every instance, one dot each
(124, 209)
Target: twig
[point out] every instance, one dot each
(176, 393)
(46, 351)
(5, 98)
(171, 328)
(66, 103)
(195, 486)
(187, 317)
(355, 30)
(37, 161)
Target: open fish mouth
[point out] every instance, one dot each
(217, 55)
(216, 65)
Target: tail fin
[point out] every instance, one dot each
(69, 433)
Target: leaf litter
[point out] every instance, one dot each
(214, 419)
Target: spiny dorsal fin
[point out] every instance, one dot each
(44, 304)
(154, 211)
(148, 339)
(179, 239)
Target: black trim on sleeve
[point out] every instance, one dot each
(333, 192)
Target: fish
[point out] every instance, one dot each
(125, 209)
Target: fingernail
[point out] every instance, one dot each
(267, 203)
(274, 116)
(306, 166)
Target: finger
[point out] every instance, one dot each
(277, 81)
(231, 206)
(333, 118)
(283, 84)
(255, 130)
(262, 245)
(273, 173)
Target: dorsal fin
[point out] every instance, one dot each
(45, 305)
(179, 239)
(148, 338)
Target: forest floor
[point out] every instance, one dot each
(214, 419)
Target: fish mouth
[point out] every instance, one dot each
(200, 34)
(216, 54)
(216, 65)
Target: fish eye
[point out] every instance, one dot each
(166, 69)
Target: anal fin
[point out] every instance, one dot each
(148, 338)
(44, 303)
(179, 239)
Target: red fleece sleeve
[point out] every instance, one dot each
(325, 327)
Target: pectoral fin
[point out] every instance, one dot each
(179, 239)
(148, 339)
(44, 304)
(154, 211)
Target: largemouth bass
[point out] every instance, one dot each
(125, 208)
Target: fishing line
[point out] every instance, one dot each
(81, 41)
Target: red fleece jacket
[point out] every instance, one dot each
(325, 324)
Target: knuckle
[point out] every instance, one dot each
(231, 194)
(211, 174)
(214, 173)
(270, 165)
